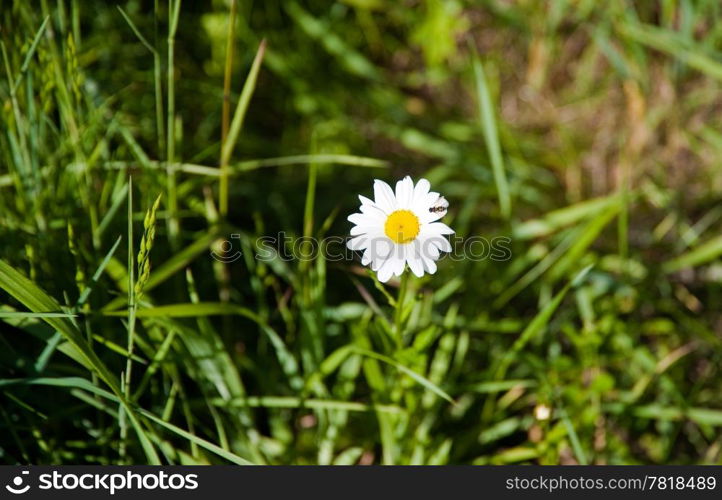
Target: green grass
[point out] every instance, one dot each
(585, 131)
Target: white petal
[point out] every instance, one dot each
(400, 260)
(384, 196)
(362, 219)
(365, 201)
(370, 230)
(429, 265)
(368, 206)
(436, 228)
(375, 212)
(421, 190)
(386, 270)
(428, 253)
(415, 263)
(423, 203)
(366, 258)
(441, 243)
(358, 243)
(427, 248)
(429, 217)
(430, 198)
(404, 192)
(379, 246)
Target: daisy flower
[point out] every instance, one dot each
(398, 229)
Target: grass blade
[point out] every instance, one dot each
(702, 254)
(487, 120)
(238, 117)
(35, 299)
(418, 378)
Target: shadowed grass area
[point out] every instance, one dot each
(139, 140)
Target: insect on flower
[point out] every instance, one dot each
(440, 207)
(400, 228)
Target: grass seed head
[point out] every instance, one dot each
(146, 244)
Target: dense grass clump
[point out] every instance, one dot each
(143, 145)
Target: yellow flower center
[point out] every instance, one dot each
(402, 226)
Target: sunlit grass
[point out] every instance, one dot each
(586, 132)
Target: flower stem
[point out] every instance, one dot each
(398, 315)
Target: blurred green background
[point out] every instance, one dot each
(587, 132)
